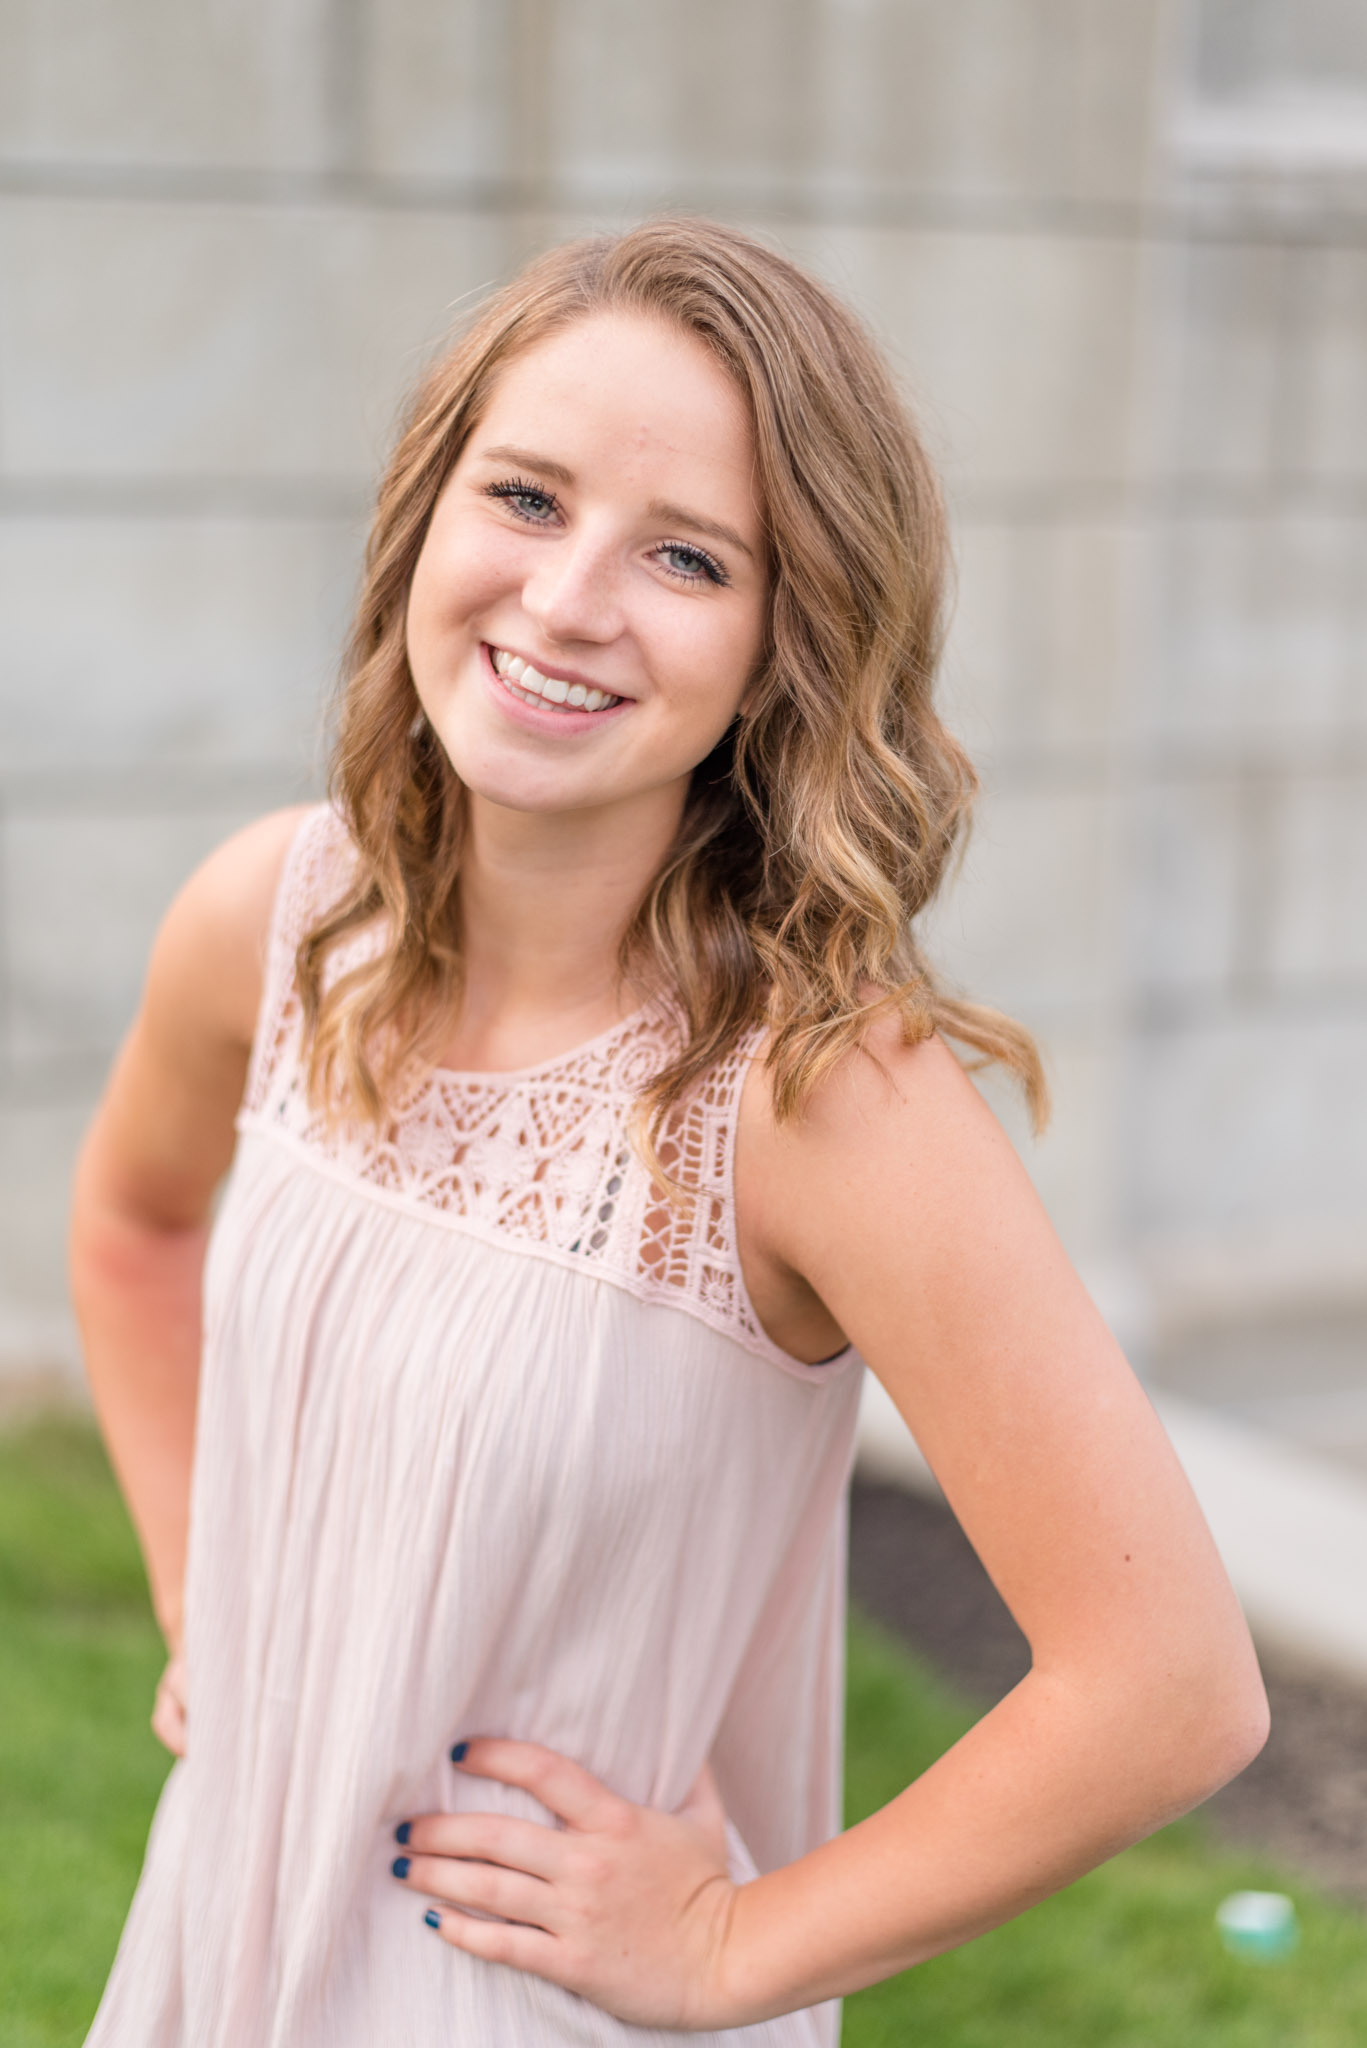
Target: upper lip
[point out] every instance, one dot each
(550, 668)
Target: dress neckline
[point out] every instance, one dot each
(496, 1077)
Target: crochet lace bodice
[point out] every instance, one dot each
(543, 1156)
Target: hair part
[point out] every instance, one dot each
(827, 818)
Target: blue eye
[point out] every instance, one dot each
(528, 501)
(539, 507)
(690, 564)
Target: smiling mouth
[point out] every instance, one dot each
(548, 693)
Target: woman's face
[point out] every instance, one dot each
(589, 603)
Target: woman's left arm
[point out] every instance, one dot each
(899, 1201)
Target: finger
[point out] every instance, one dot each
(168, 1722)
(498, 1941)
(562, 1786)
(170, 1737)
(489, 1838)
(486, 1886)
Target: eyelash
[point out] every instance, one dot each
(514, 487)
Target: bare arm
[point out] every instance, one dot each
(160, 1142)
(898, 1212)
(902, 1204)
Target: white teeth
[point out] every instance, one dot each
(528, 683)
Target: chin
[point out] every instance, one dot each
(511, 795)
(514, 785)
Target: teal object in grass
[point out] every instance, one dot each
(1260, 1926)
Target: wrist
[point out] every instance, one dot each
(785, 1944)
(743, 1992)
(715, 1998)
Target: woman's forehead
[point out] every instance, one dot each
(623, 388)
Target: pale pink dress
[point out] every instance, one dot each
(487, 1444)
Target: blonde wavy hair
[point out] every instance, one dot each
(825, 820)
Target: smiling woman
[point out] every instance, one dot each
(594, 1122)
(584, 554)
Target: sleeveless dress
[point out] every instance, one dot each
(489, 1441)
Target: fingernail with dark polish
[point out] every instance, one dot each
(458, 1752)
(402, 1832)
(401, 1866)
(432, 1917)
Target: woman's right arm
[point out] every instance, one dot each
(160, 1142)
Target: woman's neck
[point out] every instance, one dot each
(545, 900)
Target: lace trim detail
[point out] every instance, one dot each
(542, 1157)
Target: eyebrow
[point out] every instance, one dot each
(525, 459)
(658, 508)
(679, 515)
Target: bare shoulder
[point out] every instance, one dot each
(885, 1077)
(888, 1115)
(163, 1134)
(236, 884)
(896, 1164)
(210, 952)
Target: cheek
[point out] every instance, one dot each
(458, 574)
(720, 656)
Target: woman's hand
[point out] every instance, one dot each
(624, 1905)
(168, 1709)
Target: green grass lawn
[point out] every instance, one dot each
(1126, 1959)
(79, 1767)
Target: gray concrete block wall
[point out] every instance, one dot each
(231, 239)
(173, 83)
(1247, 1105)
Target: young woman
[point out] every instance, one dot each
(595, 1123)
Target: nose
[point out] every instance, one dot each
(574, 591)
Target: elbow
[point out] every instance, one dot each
(1189, 1718)
(1246, 1725)
(1224, 1727)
